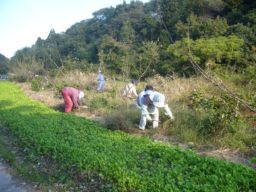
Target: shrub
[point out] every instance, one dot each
(221, 114)
(37, 83)
(98, 102)
(186, 124)
(124, 119)
(18, 78)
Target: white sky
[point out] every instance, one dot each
(23, 21)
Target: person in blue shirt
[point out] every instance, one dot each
(101, 82)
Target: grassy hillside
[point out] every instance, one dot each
(126, 162)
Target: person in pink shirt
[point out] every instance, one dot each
(71, 98)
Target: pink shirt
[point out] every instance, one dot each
(72, 93)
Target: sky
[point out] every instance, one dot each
(23, 21)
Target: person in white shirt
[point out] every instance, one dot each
(139, 99)
(149, 102)
(130, 90)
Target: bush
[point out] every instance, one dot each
(37, 83)
(98, 102)
(124, 119)
(19, 78)
(186, 124)
(221, 114)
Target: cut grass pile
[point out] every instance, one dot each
(126, 162)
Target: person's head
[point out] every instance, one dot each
(149, 87)
(134, 82)
(81, 95)
(99, 71)
(81, 98)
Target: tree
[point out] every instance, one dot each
(208, 52)
(3, 64)
(149, 57)
(202, 27)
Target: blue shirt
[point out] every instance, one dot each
(100, 77)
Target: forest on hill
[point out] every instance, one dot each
(159, 37)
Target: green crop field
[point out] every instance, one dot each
(126, 162)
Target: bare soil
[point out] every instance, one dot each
(56, 102)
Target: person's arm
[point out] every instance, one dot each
(134, 91)
(168, 112)
(75, 100)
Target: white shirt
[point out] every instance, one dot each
(130, 90)
(152, 109)
(139, 99)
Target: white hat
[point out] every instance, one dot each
(81, 95)
(158, 99)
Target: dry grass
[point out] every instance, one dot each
(77, 78)
(178, 88)
(174, 89)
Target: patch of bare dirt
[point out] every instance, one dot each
(227, 154)
(49, 98)
(234, 156)
(46, 96)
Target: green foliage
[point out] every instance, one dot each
(25, 69)
(198, 124)
(3, 64)
(242, 81)
(244, 32)
(250, 74)
(220, 48)
(148, 59)
(202, 27)
(98, 102)
(221, 114)
(215, 6)
(210, 51)
(253, 160)
(37, 83)
(123, 119)
(236, 10)
(19, 78)
(112, 53)
(126, 162)
(127, 33)
(186, 125)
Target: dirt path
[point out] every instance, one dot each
(48, 97)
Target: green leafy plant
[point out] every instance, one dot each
(37, 83)
(221, 114)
